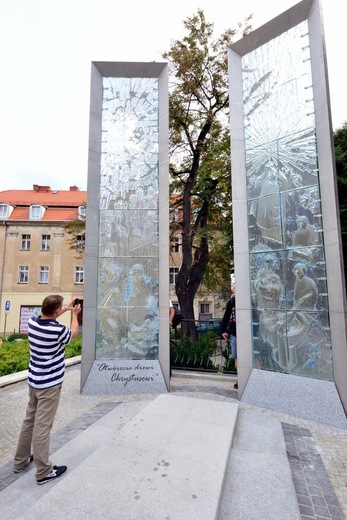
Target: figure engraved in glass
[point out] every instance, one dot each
(290, 312)
(127, 317)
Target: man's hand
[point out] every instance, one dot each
(225, 335)
(76, 309)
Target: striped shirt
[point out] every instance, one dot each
(47, 340)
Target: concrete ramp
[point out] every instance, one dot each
(164, 460)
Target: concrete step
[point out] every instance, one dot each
(258, 483)
(165, 459)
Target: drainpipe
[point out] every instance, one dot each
(4, 223)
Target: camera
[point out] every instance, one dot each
(76, 302)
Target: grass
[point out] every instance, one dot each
(14, 355)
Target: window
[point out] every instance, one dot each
(80, 242)
(35, 212)
(43, 274)
(5, 211)
(173, 274)
(23, 274)
(174, 244)
(81, 212)
(45, 242)
(174, 216)
(25, 243)
(79, 274)
(204, 308)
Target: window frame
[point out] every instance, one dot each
(81, 212)
(23, 272)
(80, 242)
(175, 244)
(204, 307)
(32, 212)
(174, 270)
(46, 241)
(25, 243)
(6, 211)
(79, 272)
(43, 269)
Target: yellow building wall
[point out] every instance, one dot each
(60, 259)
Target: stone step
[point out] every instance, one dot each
(258, 483)
(165, 459)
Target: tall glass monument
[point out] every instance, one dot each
(125, 332)
(289, 276)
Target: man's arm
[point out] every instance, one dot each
(75, 310)
(74, 322)
(225, 320)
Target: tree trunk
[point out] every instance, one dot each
(192, 270)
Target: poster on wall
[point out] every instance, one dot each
(26, 311)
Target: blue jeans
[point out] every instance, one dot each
(233, 347)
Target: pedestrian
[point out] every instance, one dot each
(47, 340)
(228, 328)
(171, 312)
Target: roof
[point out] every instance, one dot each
(50, 214)
(60, 205)
(44, 196)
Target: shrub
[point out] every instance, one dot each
(16, 335)
(14, 355)
(194, 355)
(229, 362)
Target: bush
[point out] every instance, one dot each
(14, 355)
(74, 348)
(229, 362)
(194, 355)
(16, 335)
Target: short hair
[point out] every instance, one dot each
(51, 303)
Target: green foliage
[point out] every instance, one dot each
(194, 354)
(16, 335)
(200, 156)
(14, 355)
(340, 143)
(229, 362)
(74, 348)
(77, 231)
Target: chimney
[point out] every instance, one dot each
(37, 188)
(74, 188)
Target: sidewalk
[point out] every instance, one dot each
(275, 462)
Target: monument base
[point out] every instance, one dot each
(117, 376)
(311, 399)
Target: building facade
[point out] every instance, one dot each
(36, 259)
(207, 304)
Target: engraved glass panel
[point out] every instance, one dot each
(291, 330)
(127, 301)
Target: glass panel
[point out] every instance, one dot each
(128, 272)
(291, 331)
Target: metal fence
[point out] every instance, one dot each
(208, 352)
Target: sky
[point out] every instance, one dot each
(47, 47)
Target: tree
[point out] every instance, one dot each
(200, 151)
(77, 230)
(340, 143)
